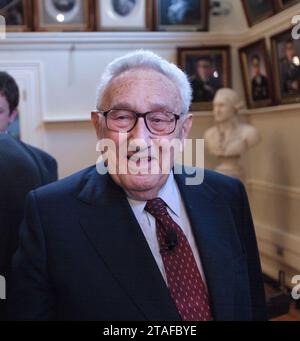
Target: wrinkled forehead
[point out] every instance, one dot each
(142, 76)
(144, 83)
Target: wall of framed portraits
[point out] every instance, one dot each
(58, 74)
(103, 15)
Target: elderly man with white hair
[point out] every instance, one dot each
(133, 243)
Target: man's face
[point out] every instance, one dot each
(290, 51)
(256, 70)
(256, 67)
(223, 109)
(141, 90)
(5, 117)
(204, 69)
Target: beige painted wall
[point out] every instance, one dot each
(274, 189)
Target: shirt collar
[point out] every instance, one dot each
(168, 193)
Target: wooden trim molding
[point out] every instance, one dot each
(289, 192)
(279, 251)
(278, 238)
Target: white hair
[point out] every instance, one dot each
(147, 59)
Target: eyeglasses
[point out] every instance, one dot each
(157, 122)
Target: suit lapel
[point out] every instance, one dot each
(212, 222)
(116, 236)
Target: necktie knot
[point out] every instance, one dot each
(157, 208)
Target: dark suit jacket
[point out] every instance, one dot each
(83, 255)
(22, 169)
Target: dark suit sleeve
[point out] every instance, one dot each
(50, 168)
(4, 241)
(254, 268)
(46, 163)
(30, 295)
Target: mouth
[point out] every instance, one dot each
(139, 159)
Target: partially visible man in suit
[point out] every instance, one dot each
(22, 169)
(142, 245)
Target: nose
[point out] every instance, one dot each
(140, 130)
(139, 137)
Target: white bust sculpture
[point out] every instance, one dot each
(229, 139)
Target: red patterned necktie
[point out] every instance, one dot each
(184, 279)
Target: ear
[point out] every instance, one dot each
(186, 126)
(97, 123)
(13, 116)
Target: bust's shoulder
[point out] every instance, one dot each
(210, 132)
(248, 129)
(249, 133)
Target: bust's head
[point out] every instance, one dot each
(226, 105)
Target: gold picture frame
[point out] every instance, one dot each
(212, 63)
(256, 13)
(18, 15)
(111, 16)
(256, 72)
(59, 17)
(286, 66)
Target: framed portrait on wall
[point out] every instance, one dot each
(123, 15)
(17, 14)
(258, 10)
(286, 60)
(283, 4)
(256, 73)
(209, 69)
(181, 15)
(62, 15)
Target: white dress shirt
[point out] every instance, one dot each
(170, 194)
